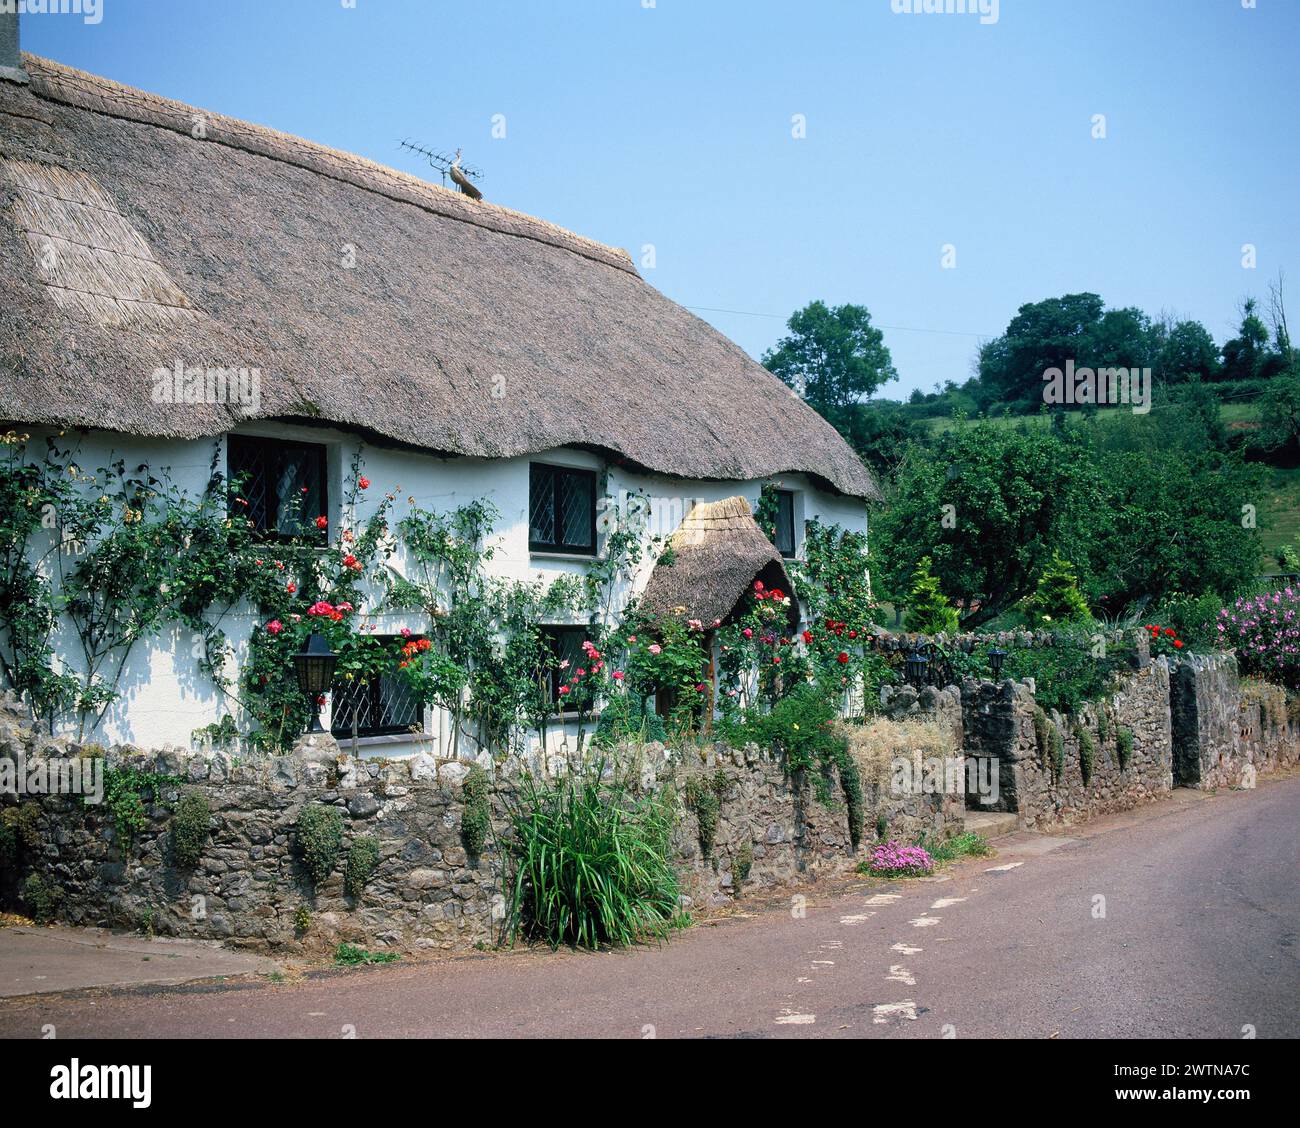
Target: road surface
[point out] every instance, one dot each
(1180, 920)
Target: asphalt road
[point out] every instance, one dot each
(1198, 938)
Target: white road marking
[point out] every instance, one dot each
(803, 979)
(923, 921)
(884, 898)
(906, 949)
(790, 1019)
(1003, 869)
(857, 919)
(823, 963)
(831, 945)
(885, 1011)
(899, 974)
(944, 902)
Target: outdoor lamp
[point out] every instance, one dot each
(916, 667)
(996, 657)
(314, 666)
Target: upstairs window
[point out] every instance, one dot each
(278, 485)
(561, 509)
(784, 539)
(379, 706)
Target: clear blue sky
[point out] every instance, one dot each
(671, 126)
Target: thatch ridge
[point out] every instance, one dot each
(461, 328)
(718, 552)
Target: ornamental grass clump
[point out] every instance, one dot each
(590, 862)
(890, 859)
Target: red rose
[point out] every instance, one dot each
(843, 658)
(322, 522)
(364, 483)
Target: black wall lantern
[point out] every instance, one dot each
(314, 666)
(996, 657)
(917, 664)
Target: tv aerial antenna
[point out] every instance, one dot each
(462, 175)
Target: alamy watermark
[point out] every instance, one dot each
(71, 775)
(946, 775)
(90, 11)
(1100, 386)
(987, 10)
(181, 384)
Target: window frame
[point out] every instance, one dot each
(374, 690)
(319, 454)
(559, 471)
(794, 537)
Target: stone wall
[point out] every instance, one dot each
(427, 892)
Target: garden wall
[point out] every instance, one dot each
(427, 892)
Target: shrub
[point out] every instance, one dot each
(704, 798)
(1065, 673)
(626, 718)
(320, 838)
(742, 864)
(8, 837)
(124, 791)
(928, 609)
(1265, 632)
(1087, 755)
(361, 863)
(801, 729)
(1042, 734)
(190, 831)
(1056, 744)
(889, 859)
(41, 897)
(1103, 724)
(301, 921)
(1124, 746)
(1057, 598)
(476, 817)
(591, 862)
(851, 785)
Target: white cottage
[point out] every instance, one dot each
(187, 291)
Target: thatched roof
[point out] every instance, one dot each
(718, 553)
(136, 232)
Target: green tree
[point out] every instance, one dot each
(1247, 356)
(833, 357)
(989, 505)
(1279, 413)
(928, 609)
(1042, 335)
(1188, 352)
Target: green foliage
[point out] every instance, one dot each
(42, 897)
(928, 609)
(361, 862)
(968, 844)
(8, 837)
(591, 862)
(1066, 674)
(1087, 755)
(125, 789)
(301, 921)
(476, 816)
(833, 357)
(1280, 413)
(190, 830)
(800, 729)
(1042, 733)
(851, 786)
(741, 864)
(1057, 598)
(1013, 496)
(882, 826)
(704, 797)
(1056, 753)
(1103, 724)
(626, 717)
(319, 835)
(349, 955)
(1124, 746)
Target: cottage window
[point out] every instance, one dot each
(379, 706)
(561, 509)
(785, 523)
(565, 645)
(278, 485)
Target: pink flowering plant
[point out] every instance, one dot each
(891, 859)
(1265, 632)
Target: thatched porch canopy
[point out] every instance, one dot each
(718, 553)
(137, 233)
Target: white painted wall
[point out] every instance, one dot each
(164, 695)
